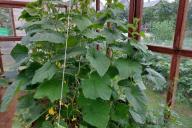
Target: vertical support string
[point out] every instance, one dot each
(64, 64)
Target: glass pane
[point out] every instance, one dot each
(159, 19)
(182, 111)
(103, 2)
(188, 32)
(18, 22)
(6, 27)
(8, 61)
(161, 64)
(183, 105)
(157, 92)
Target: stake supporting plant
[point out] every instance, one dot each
(64, 62)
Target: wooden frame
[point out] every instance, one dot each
(176, 51)
(12, 4)
(135, 11)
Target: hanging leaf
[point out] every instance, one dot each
(82, 22)
(112, 71)
(92, 34)
(47, 71)
(97, 87)
(128, 68)
(29, 110)
(111, 35)
(50, 89)
(73, 41)
(19, 52)
(71, 52)
(138, 117)
(52, 37)
(140, 46)
(95, 112)
(11, 92)
(22, 80)
(137, 102)
(98, 60)
(156, 78)
(120, 113)
(125, 83)
(139, 81)
(136, 98)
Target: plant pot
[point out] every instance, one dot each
(6, 118)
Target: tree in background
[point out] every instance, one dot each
(160, 19)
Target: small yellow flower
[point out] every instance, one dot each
(51, 111)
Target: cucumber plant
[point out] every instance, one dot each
(103, 83)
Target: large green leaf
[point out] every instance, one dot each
(137, 102)
(138, 117)
(156, 78)
(52, 37)
(11, 92)
(47, 71)
(139, 46)
(111, 35)
(97, 87)
(50, 89)
(95, 112)
(136, 98)
(19, 52)
(125, 82)
(82, 22)
(73, 41)
(128, 68)
(29, 110)
(92, 34)
(71, 52)
(120, 113)
(139, 81)
(22, 80)
(98, 60)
